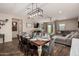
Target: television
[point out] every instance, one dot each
(36, 25)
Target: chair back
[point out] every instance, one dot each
(19, 38)
(25, 41)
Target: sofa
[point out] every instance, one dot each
(65, 40)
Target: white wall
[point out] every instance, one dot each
(70, 24)
(7, 28)
(26, 29)
(29, 29)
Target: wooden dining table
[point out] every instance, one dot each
(39, 44)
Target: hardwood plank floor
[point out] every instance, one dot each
(11, 49)
(61, 50)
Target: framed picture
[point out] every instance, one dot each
(29, 25)
(14, 26)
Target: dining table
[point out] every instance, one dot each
(39, 43)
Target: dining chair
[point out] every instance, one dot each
(48, 50)
(32, 48)
(23, 45)
(27, 46)
(20, 42)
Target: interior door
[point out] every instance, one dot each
(16, 27)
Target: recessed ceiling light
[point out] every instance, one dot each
(59, 11)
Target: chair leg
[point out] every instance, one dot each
(45, 53)
(25, 53)
(32, 52)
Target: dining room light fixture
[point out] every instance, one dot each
(35, 12)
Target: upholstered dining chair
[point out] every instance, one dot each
(48, 50)
(23, 45)
(26, 46)
(31, 48)
(20, 42)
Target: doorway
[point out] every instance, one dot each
(16, 27)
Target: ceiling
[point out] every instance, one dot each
(55, 10)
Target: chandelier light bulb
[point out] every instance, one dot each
(39, 13)
(32, 16)
(36, 14)
(29, 15)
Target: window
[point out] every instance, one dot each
(61, 26)
(29, 25)
(49, 29)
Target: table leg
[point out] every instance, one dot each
(39, 50)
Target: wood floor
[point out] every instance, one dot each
(11, 49)
(61, 50)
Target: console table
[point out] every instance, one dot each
(3, 37)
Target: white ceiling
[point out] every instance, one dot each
(67, 10)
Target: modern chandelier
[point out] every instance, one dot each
(35, 12)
